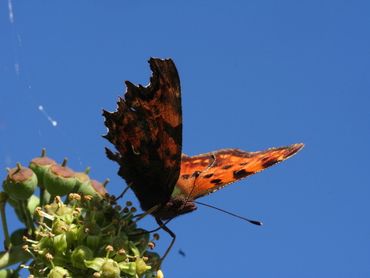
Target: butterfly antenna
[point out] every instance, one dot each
(197, 174)
(254, 222)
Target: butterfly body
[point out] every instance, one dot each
(146, 130)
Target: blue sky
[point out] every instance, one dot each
(254, 74)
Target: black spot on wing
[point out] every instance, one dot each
(269, 163)
(196, 174)
(216, 181)
(239, 174)
(208, 176)
(227, 167)
(185, 177)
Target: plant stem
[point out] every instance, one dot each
(42, 193)
(28, 217)
(3, 220)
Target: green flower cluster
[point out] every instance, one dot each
(86, 235)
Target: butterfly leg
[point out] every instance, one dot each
(150, 211)
(172, 234)
(124, 191)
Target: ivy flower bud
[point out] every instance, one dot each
(120, 255)
(40, 165)
(59, 180)
(60, 243)
(73, 233)
(59, 226)
(45, 243)
(93, 241)
(107, 268)
(83, 184)
(32, 203)
(99, 187)
(59, 272)
(141, 266)
(159, 274)
(128, 268)
(60, 210)
(154, 259)
(120, 241)
(20, 183)
(79, 255)
(110, 269)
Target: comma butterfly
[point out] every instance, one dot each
(146, 130)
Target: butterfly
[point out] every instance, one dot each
(146, 130)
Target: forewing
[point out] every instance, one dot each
(206, 173)
(146, 130)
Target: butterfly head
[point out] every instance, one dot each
(177, 205)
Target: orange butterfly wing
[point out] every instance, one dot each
(206, 173)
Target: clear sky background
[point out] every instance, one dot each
(254, 74)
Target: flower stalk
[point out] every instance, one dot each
(4, 224)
